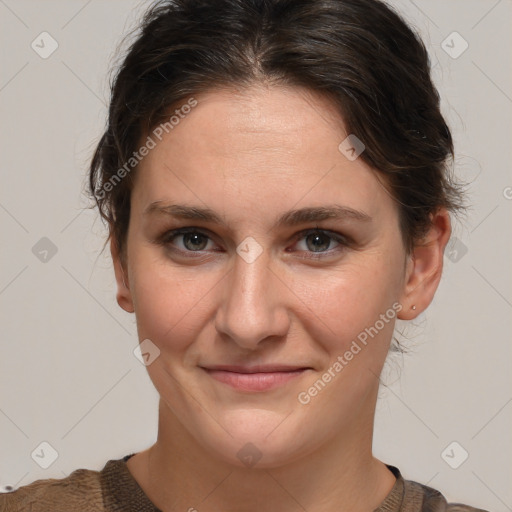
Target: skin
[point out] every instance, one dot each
(251, 155)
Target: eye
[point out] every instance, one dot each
(192, 240)
(316, 242)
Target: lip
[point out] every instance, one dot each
(255, 378)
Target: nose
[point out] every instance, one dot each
(252, 308)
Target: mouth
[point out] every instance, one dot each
(255, 378)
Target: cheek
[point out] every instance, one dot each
(170, 303)
(352, 322)
(344, 303)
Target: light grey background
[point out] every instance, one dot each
(68, 375)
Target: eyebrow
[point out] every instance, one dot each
(290, 218)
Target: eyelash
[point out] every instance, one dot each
(344, 241)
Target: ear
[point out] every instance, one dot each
(124, 295)
(425, 266)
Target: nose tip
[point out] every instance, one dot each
(251, 308)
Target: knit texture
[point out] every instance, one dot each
(113, 489)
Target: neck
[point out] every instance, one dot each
(177, 473)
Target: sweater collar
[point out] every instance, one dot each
(121, 491)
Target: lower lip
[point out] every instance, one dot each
(254, 381)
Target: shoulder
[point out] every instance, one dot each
(419, 497)
(80, 490)
(411, 496)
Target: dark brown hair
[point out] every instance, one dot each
(359, 53)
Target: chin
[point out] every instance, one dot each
(258, 453)
(257, 439)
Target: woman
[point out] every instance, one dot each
(274, 177)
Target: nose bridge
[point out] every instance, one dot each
(250, 310)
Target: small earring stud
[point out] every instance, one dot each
(413, 306)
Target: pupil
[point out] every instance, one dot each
(319, 246)
(194, 237)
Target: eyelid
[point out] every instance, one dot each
(170, 235)
(332, 234)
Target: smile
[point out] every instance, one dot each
(255, 379)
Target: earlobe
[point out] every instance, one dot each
(123, 295)
(425, 266)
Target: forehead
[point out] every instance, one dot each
(255, 149)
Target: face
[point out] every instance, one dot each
(268, 270)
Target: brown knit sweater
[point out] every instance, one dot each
(113, 489)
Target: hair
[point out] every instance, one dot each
(358, 53)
